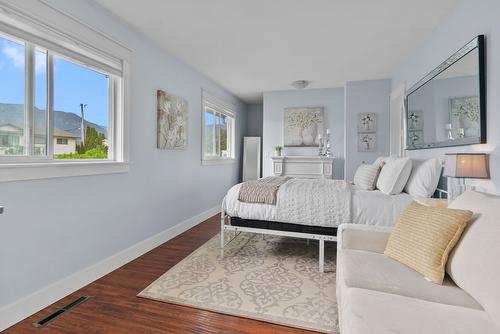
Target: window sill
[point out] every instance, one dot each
(45, 170)
(208, 162)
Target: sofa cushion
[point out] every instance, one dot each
(374, 271)
(424, 236)
(364, 311)
(474, 263)
(363, 237)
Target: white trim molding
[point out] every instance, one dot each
(48, 170)
(23, 308)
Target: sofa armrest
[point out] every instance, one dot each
(363, 237)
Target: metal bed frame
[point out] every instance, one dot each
(301, 235)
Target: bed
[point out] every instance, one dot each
(318, 207)
(314, 208)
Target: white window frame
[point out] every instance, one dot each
(223, 108)
(70, 39)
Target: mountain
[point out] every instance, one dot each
(14, 114)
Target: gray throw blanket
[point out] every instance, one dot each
(261, 190)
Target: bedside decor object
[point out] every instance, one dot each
(320, 145)
(465, 165)
(424, 237)
(302, 125)
(172, 121)
(327, 149)
(278, 150)
(367, 122)
(449, 133)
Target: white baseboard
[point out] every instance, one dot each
(23, 308)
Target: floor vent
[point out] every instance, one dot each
(45, 321)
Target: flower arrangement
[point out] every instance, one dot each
(414, 117)
(366, 140)
(414, 138)
(366, 119)
(278, 150)
(468, 109)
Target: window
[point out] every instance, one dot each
(218, 131)
(50, 98)
(12, 66)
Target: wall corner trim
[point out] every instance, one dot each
(26, 306)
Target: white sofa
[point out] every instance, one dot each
(379, 295)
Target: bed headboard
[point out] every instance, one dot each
(442, 188)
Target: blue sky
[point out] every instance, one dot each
(73, 84)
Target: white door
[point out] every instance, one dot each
(251, 158)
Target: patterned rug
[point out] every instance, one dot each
(268, 278)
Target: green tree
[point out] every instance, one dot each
(93, 139)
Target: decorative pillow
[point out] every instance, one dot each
(366, 176)
(383, 160)
(424, 237)
(394, 175)
(424, 178)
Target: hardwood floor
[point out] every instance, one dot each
(114, 307)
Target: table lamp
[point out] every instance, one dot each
(463, 166)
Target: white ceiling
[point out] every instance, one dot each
(254, 46)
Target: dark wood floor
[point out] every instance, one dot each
(115, 308)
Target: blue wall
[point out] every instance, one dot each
(53, 228)
(468, 19)
(332, 99)
(369, 96)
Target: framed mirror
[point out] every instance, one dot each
(448, 106)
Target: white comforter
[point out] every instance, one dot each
(328, 203)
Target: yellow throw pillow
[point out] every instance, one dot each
(424, 237)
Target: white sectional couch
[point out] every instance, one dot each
(378, 295)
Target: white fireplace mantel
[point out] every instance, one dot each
(303, 166)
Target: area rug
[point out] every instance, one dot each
(268, 278)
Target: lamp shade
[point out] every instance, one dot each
(467, 165)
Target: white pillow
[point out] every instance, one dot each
(424, 178)
(366, 176)
(394, 175)
(383, 160)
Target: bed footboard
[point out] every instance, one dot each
(321, 234)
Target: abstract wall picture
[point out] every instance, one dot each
(415, 138)
(367, 142)
(302, 125)
(367, 122)
(464, 116)
(415, 120)
(172, 121)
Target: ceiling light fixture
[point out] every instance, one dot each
(300, 84)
